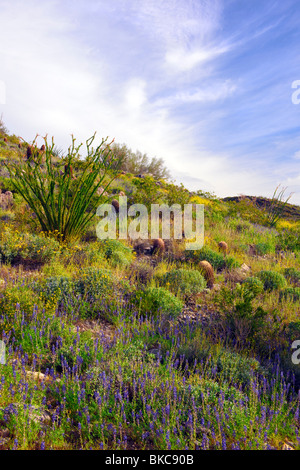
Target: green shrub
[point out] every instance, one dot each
(292, 275)
(157, 300)
(59, 287)
(29, 248)
(239, 225)
(289, 240)
(217, 260)
(290, 293)
(254, 285)
(264, 248)
(117, 253)
(20, 301)
(94, 283)
(231, 262)
(271, 280)
(186, 282)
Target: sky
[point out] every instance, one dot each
(210, 86)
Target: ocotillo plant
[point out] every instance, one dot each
(276, 207)
(61, 200)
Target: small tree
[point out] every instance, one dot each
(60, 199)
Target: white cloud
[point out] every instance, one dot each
(135, 93)
(181, 60)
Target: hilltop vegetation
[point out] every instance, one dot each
(130, 345)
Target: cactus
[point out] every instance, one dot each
(158, 246)
(208, 273)
(116, 205)
(223, 247)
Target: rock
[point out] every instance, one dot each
(245, 268)
(40, 377)
(287, 447)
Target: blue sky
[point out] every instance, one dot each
(204, 84)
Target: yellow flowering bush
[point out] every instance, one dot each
(16, 247)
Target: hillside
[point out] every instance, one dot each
(142, 345)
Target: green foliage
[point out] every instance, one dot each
(117, 253)
(59, 198)
(59, 287)
(240, 225)
(177, 194)
(276, 207)
(20, 301)
(272, 280)
(290, 293)
(231, 262)
(263, 248)
(158, 300)
(139, 163)
(289, 240)
(146, 191)
(27, 248)
(94, 283)
(217, 260)
(254, 285)
(185, 282)
(292, 275)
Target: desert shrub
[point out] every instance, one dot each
(271, 280)
(290, 293)
(239, 225)
(292, 275)
(231, 367)
(20, 301)
(254, 285)
(185, 282)
(177, 194)
(215, 259)
(231, 262)
(117, 253)
(142, 271)
(146, 192)
(157, 300)
(264, 248)
(289, 240)
(59, 287)
(18, 247)
(94, 283)
(210, 391)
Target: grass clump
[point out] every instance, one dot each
(292, 275)
(26, 248)
(272, 280)
(183, 282)
(254, 285)
(290, 293)
(117, 253)
(158, 300)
